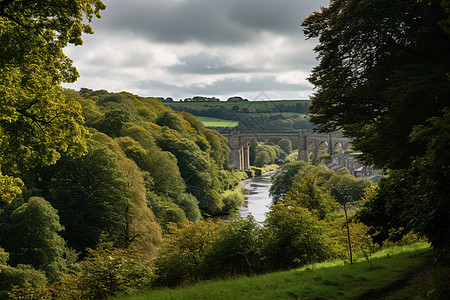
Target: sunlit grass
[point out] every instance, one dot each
(215, 122)
(328, 280)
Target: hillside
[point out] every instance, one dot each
(392, 277)
(277, 115)
(146, 166)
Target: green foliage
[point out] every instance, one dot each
(236, 251)
(10, 187)
(375, 80)
(137, 228)
(308, 193)
(37, 224)
(346, 188)
(85, 191)
(296, 237)
(37, 123)
(282, 180)
(22, 281)
(388, 89)
(195, 168)
(415, 198)
(4, 256)
(183, 252)
(189, 204)
(107, 272)
(262, 158)
(231, 201)
(285, 145)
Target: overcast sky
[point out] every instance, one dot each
(186, 48)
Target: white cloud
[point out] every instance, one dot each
(183, 48)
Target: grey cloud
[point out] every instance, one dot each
(224, 86)
(204, 63)
(206, 21)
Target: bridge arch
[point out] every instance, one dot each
(311, 145)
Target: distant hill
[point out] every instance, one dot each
(273, 115)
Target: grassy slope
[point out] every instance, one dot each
(215, 122)
(331, 280)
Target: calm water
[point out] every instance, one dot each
(256, 196)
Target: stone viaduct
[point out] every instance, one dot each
(310, 145)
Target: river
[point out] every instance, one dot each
(256, 196)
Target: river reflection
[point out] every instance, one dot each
(256, 196)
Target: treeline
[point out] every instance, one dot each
(260, 119)
(145, 167)
(203, 99)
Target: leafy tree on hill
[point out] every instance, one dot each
(195, 168)
(376, 80)
(308, 193)
(37, 123)
(285, 145)
(30, 235)
(387, 86)
(282, 180)
(85, 191)
(296, 237)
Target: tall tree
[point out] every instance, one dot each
(36, 121)
(383, 78)
(383, 70)
(31, 236)
(87, 192)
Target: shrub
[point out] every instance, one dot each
(107, 272)
(23, 281)
(231, 201)
(183, 252)
(237, 249)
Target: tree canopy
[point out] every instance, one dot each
(383, 70)
(383, 78)
(37, 123)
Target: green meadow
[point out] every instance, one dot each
(388, 278)
(216, 122)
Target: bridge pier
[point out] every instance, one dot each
(244, 161)
(303, 155)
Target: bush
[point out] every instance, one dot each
(108, 272)
(295, 237)
(183, 252)
(23, 281)
(231, 201)
(237, 249)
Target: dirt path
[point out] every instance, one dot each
(406, 288)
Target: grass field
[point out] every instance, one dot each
(215, 122)
(329, 280)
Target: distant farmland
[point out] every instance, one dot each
(281, 115)
(215, 122)
(281, 106)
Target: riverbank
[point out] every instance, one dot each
(254, 171)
